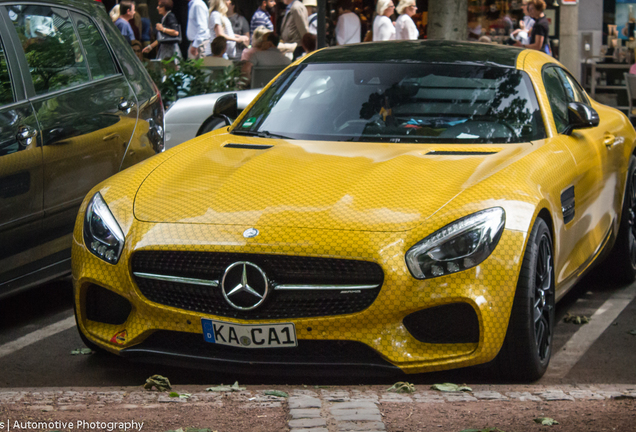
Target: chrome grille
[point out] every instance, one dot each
(303, 286)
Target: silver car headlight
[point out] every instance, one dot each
(102, 234)
(458, 246)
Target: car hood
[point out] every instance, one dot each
(312, 184)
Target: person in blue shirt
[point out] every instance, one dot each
(126, 13)
(262, 17)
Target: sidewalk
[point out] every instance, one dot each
(311, 409)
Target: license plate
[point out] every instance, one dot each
(249, 336)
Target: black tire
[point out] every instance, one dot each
(525, 354)
(621, 262)
(211, 124)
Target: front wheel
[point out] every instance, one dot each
(621, 263)
(526, 350)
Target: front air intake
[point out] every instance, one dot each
(105, 306)
(447, 324)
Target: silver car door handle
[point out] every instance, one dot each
(25, 135)
(125, 106)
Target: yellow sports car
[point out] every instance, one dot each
(399, 206)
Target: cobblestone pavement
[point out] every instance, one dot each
(309, 409)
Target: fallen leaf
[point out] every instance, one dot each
(450, 387)
(632, 332)
(275, 393)
(173, 394)
(84, 351)
(160, 382)
(576, 319)
(546, 421)
(402, 387)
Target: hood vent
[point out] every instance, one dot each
(249, 146)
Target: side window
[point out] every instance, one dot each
(6, 92)
(51, 47)
(557, 97)
(98, 56)
(574, 91)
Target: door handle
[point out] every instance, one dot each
(125, 105)
(610, 140)
(25, 135)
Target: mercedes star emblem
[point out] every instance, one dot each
(244, 285)
(250, 232)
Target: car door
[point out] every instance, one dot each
(587, 211)
(20, 168)
(85, 107)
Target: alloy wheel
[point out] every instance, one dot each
(543, 299)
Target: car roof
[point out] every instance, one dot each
(437, 51)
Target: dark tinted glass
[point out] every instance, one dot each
(98, 56)
(52, 51)
(557, 97)
(6, 92)
(572, 88)
(398, 103)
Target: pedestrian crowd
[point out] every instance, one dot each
(279, 31)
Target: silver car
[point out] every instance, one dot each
(192, 116)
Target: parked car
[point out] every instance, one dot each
(76, 106)
(399, 206)
(190, 117)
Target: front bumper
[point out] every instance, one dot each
(155, 329)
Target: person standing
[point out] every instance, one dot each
(540, 30)
(348, 26)
(295, 24)
(262, 17)
(169, 27)
(220, 25)
(197, 29)
(142, 10)
(312, 16)
(126, 13)
(383, 28)
(240, 26)
(405, 28)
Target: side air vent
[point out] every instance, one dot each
(459, 153)
(567, 204)
(248, 146)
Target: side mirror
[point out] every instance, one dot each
(226, 107)
(581, 116)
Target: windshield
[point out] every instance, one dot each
(402, 103)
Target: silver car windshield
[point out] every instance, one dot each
(398, 102)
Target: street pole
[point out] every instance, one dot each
(569, 51)
(322, 21)
(448, 20)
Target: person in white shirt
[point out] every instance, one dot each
(405, 28)
(312, 16)
(348, 27)
(220, 25)
(383, 28)
(197, 30)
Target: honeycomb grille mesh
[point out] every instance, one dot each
(280, 269)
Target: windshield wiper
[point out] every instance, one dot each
(260, 134)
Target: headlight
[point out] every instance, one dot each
(102, 234)
(459, 246)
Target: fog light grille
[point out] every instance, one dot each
(446, 324)
(105, 306)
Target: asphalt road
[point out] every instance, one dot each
(601, 352)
